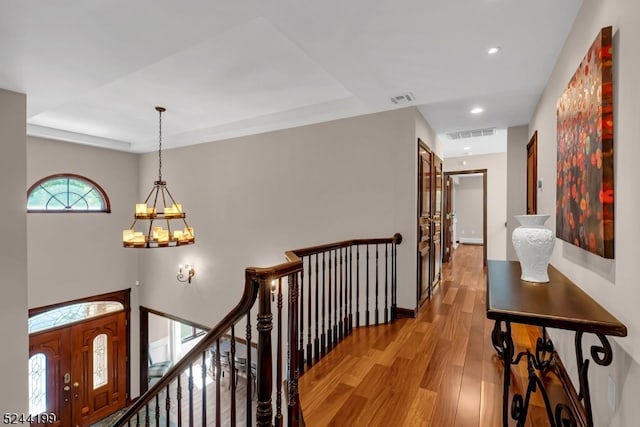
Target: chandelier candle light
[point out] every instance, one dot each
(163, 209)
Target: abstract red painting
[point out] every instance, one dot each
(585, 197)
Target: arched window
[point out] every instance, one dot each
(67, 193)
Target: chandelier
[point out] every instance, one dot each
(158, 209)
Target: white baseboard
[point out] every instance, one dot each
(471, 240)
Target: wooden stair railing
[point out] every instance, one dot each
(344, 285)
(182, 396)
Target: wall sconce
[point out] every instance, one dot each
(186, 273)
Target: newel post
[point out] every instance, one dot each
(293, 353)
(264, 411)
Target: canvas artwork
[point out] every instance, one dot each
(585, 196)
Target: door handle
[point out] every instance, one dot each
(75, 386)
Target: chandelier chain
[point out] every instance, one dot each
(159, 145)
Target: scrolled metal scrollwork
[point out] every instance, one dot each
(564, 416)
(544, 352)
(603, 356)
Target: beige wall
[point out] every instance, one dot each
(613, 283)
(13, 254)
(254, 197)
(73, 256)
(496, 165)
(517, 140)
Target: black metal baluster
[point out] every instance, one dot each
(394, 289)
(317, 340)
(323, 337)
(278, 416)
(190, 395)
(218, 365)
(358, 286)
(203, 370)
(329, 333)
(350, 288)
(249, 371)
(179, 401)
(377, 275)
(335, 298)
(345, 319)
(168, 407)
(233, 373)
(341, 328)
(309, 345)
(157, 414)
(367, 296)
(147, 422)
(301, 327)
(386, 282)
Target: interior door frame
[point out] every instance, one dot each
(123, 297)
(484, 204)
(532, 174)
(420, 146)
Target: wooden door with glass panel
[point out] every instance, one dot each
(424, 222)
(78, 372)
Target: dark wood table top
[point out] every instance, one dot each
(557, 304)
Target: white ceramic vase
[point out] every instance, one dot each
(533, 243)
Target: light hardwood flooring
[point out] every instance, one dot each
(438, 369)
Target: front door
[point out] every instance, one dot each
(424, 222)
(78, 372)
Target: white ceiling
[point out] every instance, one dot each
(94, 70)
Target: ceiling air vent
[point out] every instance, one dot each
(404, 98)
(474, 133)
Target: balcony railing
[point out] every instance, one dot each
(302, 309)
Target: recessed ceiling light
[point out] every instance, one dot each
(477, 110)
(467, 148)
(493, 50)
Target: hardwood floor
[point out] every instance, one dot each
(438, 369)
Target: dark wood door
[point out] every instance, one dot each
(532, 175)
(448, 219)
(50, 374)
(85, 368)
(424, 222)
(436, 222)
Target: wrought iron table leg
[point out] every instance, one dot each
(503, 343)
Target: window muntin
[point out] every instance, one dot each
(67, 193)
(71, 313)
(37, 384)
(189, 332)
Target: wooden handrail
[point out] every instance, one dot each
(297, 253)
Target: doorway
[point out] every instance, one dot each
(78, 354)
(452, 209)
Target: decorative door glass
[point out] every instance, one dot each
(37, 384)
(100, 362)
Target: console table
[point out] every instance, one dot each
(558, 304)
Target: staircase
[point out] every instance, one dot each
(298, 311)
